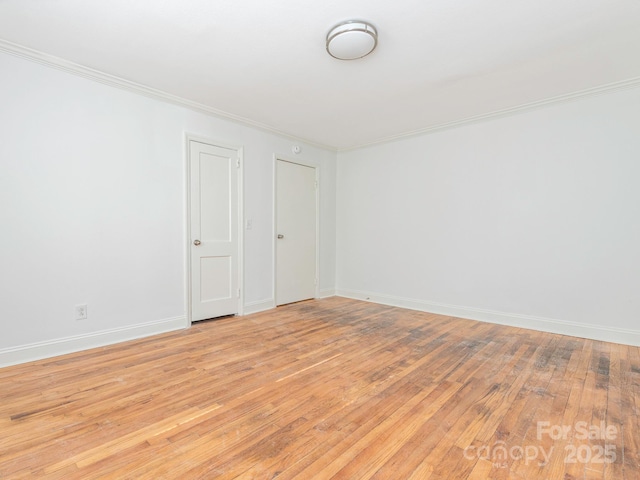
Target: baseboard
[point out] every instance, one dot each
(61, 346)
(563, 327)
(269, 303)
(327, 292)
(259, 306)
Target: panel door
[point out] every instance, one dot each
(214, 230)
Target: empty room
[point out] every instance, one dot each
(320, 240)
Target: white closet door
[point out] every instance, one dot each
(296, 232)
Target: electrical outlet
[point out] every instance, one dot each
(81, 312)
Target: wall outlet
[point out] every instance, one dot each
(81, 312)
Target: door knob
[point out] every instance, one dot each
(280, 236)
(196, 242)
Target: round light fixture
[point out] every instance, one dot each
(351, 40)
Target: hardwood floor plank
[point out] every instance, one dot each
(448, 423)
(326, 389)
(614, 416)
(630, 439)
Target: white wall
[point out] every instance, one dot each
(530, 220)
(92, 210)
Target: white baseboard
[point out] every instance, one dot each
(61, 346)
(563, 327)
(327, 292)
(259, 306)
(269, 303)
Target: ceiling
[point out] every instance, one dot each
(437, 62)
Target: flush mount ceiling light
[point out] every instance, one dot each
(351, 40)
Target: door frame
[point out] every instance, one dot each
(274, 232)
(188, 138)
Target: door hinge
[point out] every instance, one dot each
(316, 182)
(237, 162)
(238, 293)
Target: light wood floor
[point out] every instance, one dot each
(334, 388)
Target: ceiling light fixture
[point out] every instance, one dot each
(351, 40)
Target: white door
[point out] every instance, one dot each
(296, 232)
(214, 230)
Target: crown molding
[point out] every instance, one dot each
(138, 88)
(114, 81)
(568, 97)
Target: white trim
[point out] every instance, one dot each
(188, 137)
(259, 306)
(112, 80)
(562, 327)
(117, 82)
(61, 346)
(316, 168)
(241, 230)
(327, 292)
(318, 272)
(274, 227)
(568, 97)
(187, 229)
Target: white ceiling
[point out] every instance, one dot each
(437, 61)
